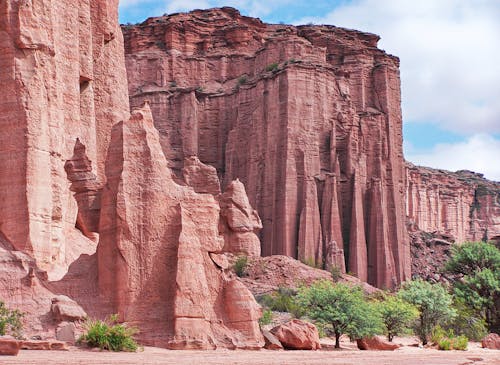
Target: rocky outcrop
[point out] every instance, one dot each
(308, 118)
(297, 335)
(63, 77)
(156, 237)
(460, 206)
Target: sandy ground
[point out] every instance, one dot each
(407, 355)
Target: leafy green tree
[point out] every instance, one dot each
(10, 321)
(432, 301)
(341, 309)
(476, 266)
(397, 316)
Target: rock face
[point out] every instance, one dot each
(462, 206)
(156, 237)
(297, 335)
(308, 118)
(63, 77)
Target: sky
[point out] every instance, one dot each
(450, 65)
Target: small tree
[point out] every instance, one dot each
(10, 321)
(477, 268)
(397, 316)
(432, 301)
(341, 309)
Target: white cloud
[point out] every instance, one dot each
(449, 56)
(479, 153)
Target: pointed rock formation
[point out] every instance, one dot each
(241, 222)
(156, 237)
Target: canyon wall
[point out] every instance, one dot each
(460, 206)
(308, 118)
(63, 77)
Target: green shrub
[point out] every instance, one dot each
(240, 266)
(267, 317)
(242, 80)
(10, 321)
(273, 67)
(460, 343)
(446, 340)
(444, 344)
(109, 335)
(467, 322)
(282, 300)
(336, 273)
(311, 262)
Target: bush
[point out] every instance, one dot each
(242, 80)
(397, 316)
(336, 273)
(267, 317)
(445, 340)
(109, 335)
(467, 322)
(10, 321)
(240, 266)
(444, 344)
(311, 262)
(273, 67)
(432, 301)
(476, 265)
(282, 300)
(341, 309)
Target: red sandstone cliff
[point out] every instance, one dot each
(308, 118)
(462, 205)
(63, 78)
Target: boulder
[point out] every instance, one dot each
(376, 343)
(9, 346)
(297, 335)
(272, 342)
(491, 341)
(65, 309)
(66, 332)
(44, 345)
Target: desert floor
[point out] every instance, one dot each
(406, 355)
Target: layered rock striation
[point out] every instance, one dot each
(308, 118)
(459, 206)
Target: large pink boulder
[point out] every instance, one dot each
(491, 341)
(376, 343)
(297, 335)
(9, 346)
